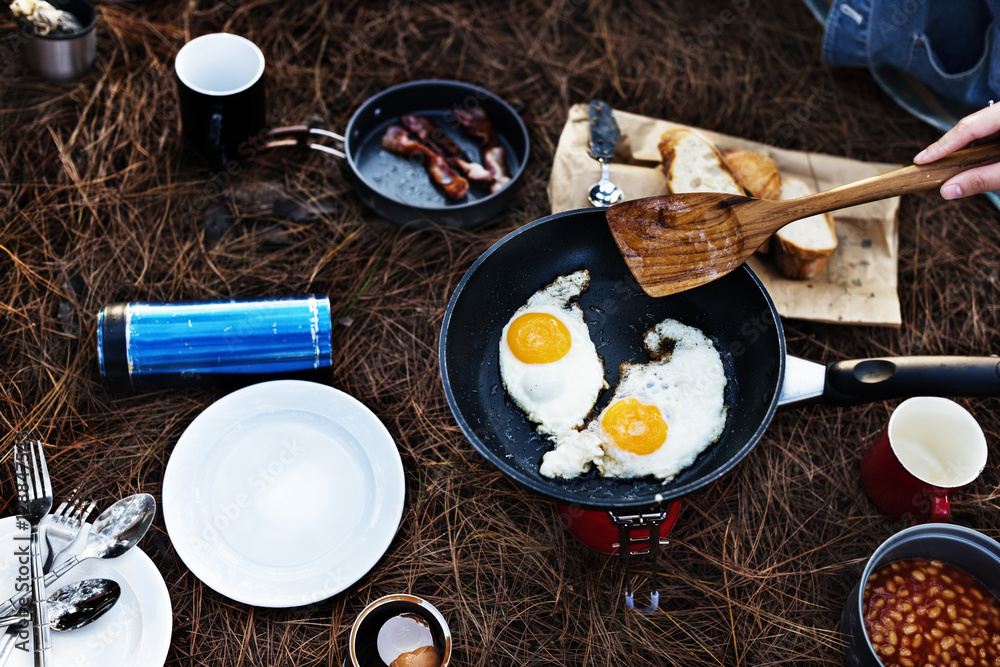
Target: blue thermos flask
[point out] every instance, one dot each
(144, 346)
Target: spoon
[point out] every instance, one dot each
(114, 532)
(72, 606)
(604, 135)
(672, 243)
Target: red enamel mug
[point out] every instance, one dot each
(930, 448)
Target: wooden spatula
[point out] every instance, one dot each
(675, 242)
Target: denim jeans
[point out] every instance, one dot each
(950, 45)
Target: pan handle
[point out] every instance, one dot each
(865, 380)
(302, 135)
(803, 382)
(858, 381)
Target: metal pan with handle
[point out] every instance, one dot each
(398, 188)
(735, 311)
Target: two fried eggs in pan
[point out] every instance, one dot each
(662, 415)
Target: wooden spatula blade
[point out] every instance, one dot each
(675, 242)
(672, 243)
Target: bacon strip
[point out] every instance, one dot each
(397, 140)
(427, 131)
(472, 170)
(478, 124)
(437, 140)
(496, 165)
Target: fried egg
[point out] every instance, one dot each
(548, 363)
(662, 416)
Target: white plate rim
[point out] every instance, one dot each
(188, 448)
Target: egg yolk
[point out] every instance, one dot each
(538, 338)
(634, 426)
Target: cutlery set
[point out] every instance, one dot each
(113, 533)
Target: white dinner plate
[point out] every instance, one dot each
(135, 633)
(283, 493)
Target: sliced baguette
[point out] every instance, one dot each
(692, 164)
(802, 248)
(756, 172)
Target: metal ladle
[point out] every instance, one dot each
(604, 135)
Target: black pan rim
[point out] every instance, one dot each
(451, 208)
(574, 499)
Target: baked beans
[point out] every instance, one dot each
(927, 612)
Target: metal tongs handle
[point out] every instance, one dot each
(302, 135)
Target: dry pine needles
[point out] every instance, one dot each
(101, 204)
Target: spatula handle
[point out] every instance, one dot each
(912, 178)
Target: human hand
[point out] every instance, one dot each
(979, 125)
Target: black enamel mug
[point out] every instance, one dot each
(220, 86)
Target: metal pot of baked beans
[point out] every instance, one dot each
(927, 596)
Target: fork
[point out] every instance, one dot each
(34, 496)
(63, 526)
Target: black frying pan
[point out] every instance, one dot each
(400, 189)
(735, 311)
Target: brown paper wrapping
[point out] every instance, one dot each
(859, 283)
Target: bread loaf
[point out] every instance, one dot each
(692, 164)
(758, 173)
(801, 249)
